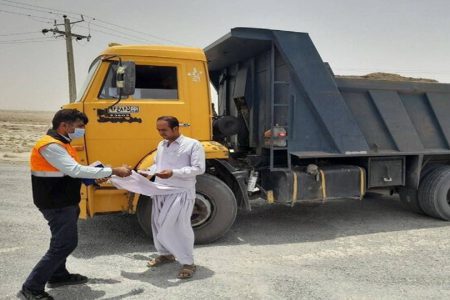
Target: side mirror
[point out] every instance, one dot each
(126, 78)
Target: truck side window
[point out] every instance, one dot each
(152, 82)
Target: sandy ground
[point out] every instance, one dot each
(343, 249)
(19, 130)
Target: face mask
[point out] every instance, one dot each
(79, 132)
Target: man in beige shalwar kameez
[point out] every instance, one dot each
(178, 161)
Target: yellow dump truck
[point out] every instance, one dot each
(286, 128)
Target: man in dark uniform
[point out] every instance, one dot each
(56, 181)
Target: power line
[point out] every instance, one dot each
(41, 7)
(133, 30)
(21, 14)
(32, 9)
(21, 33)
(119, 34)
(41, 39)
(97, 20)
(45, 22)
(26, 42)
(32, 39)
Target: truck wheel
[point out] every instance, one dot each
(409, 197)
(214, 211)
(434, 193)
(144, 214)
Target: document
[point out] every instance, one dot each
(139, 184)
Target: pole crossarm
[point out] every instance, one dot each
(78, 36)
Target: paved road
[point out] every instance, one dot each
(346, 249)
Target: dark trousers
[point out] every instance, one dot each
(52, 266)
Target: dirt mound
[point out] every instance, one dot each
(387, 76)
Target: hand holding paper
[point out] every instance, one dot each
(122, 171)
(164, 174)
(140, 185)
(89, 181)
(146, 173)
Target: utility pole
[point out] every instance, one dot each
(67, 33)
(70, 62)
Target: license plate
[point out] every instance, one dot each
(123, 109)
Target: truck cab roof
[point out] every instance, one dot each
(157, 51)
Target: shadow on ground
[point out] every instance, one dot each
(111, 234)
(166, 276)
(318, 221)
(84, 292)
(267, 224)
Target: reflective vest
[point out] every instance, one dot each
(52, 188)
(40, 166)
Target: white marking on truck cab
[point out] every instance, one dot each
(195, 75)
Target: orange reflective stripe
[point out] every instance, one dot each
(39, 163)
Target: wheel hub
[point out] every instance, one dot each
(201, 212)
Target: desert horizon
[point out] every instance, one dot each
(19, 130)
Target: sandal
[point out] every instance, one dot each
(160, 260)
(186, 271)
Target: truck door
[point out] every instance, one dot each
(126, 132)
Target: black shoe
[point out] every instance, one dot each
(71, 279)
(27, 294)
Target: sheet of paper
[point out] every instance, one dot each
(150, 171)
(139, 184)
(146, 172)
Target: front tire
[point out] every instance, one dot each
(214, 211)
(144, 214)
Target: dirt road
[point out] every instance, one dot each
(348, 249)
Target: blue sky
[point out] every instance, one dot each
(410, 38)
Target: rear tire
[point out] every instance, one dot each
(214, 212)
(410, 197)
(434, 193)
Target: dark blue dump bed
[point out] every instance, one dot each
(269, 77)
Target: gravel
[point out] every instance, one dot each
(342, 249)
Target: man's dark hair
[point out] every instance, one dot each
(69, 116)
(172, 121)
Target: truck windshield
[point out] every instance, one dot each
(88, 79)
(152, 82)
